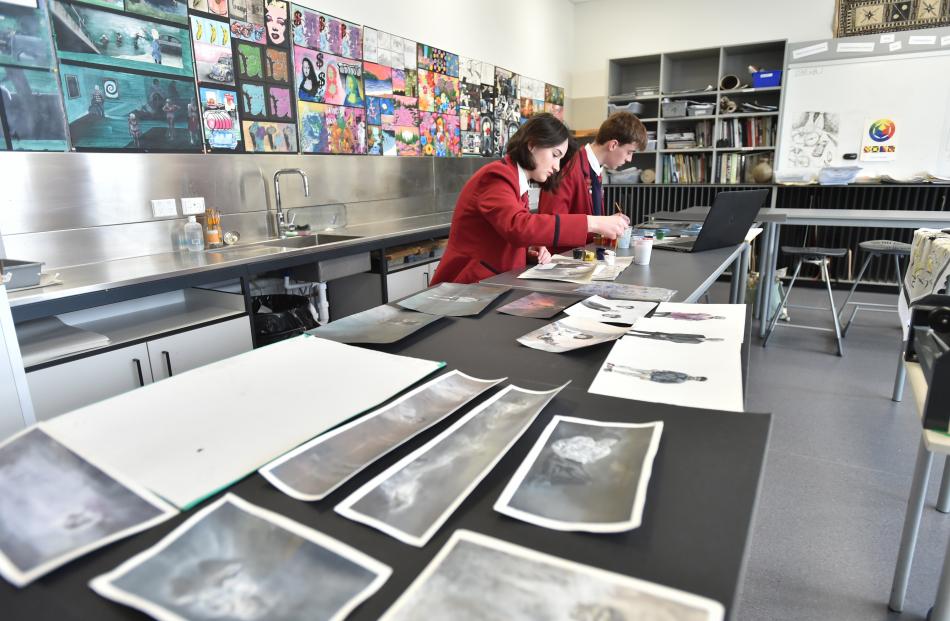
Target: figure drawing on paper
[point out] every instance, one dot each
(674, 337)
(814, 140)
(686, 316)
(654, 375)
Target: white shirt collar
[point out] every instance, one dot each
(522, 180)
(594, 164)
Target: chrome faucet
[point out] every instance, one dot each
(281, 223)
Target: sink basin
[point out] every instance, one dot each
(306, 241)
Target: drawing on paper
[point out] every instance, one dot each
(682, 338)
(265, 137)
(439, 135)
(33, 108)
(219, 118)
(472, 71)
(213, 59)
(660, 376)
(322, 78)
(813, 140)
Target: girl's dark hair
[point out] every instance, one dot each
(545, 131)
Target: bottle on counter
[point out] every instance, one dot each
(194, 235)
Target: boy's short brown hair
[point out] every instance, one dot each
(623, 127)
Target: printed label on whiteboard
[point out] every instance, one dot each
(811, 50)
(945, 40)
(922, 40)
(862, 46)
(887, 38)
(879, 143)
(896, 45)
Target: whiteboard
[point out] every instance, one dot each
(829, 104)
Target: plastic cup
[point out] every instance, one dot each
(623, 241)
(642, 249)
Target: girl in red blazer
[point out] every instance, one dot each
(492, 228)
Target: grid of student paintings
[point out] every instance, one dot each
(256, 76)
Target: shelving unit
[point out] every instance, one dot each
(696, 75)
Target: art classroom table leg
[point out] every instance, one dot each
(899, 379)
(941, 609)
(769, 278)
(763, 258)
(915, 506)
(734, 280)
(744, 273)
(943, 501)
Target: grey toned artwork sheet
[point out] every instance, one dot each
(55, 506)
(315, 469)
(578, 272)
(584, 475)
(571, 333)
(234, 560)
(414, 497)
(453, 299)
(620, 291)
(475, 577)
(538, 305)
(596, 308)
(382, 324)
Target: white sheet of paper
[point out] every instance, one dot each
(525, 585)
(663, 373)
(569, 334)
(590, 476)
(258, 563)
(193, 434)
(610, 311)
(726, 321)
(50, 337)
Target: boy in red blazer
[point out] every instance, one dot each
(581, 188)
(492, 227)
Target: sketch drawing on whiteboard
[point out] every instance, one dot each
(814, 140)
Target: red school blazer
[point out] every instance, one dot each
(492, 228)
(572, 196)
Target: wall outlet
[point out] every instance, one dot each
(193, 206)
(164, 208)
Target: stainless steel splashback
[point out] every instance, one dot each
(75, 208)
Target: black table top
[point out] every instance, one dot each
(696, 523)
(690, 273)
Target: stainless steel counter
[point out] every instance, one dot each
(96, 277)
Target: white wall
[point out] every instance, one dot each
(530, 37)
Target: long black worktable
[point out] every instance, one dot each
(696, 524)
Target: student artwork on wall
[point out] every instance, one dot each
(554, 94)
(32, 108)
(198, 5)
(105, 38)
(251, 11)
(325, 33)
(506, 83)
(407, 140)
(322, 78)
(556, 110)
(249, 61)
(470, 120)
(439, 135)
(170, 10)
(388, 49)
(268, 137)
(438, 93)
(433, 59)
(220, 120)
(25, 39)
(331, 129)
(213, 58)
(253, 100)
(472, 71)
(405, 82)
(530, 106)
(3, 139)
(488, 136)
(471, 143)
(377, 79)
(277, 66)
(246, 31)
(218, 7)
(529, 88)
(109, 110)
(279, 103)
(507, 118)
(277, 23)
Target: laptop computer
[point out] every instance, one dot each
(726, 224)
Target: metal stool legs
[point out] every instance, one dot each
(899, 378)
(864, 267)
(834, 311)
(781, 307)
(823, 265)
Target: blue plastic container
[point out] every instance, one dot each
(762, 79)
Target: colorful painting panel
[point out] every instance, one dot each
(306, 27)
(377, 79)
(406, 82)
(439, 135)
(374, 140)
(340, 38)
(3, 139)
(246, 31)
(556, 110)
(430, 58)
(277, 65)
(438, 92)
(253, 101)
(471, 143)
(322, 78)
(377, 109)
(264, 137)
(25, 39)
(389, 142)
(280, 103)
(250, 65)
(407, 141)
(218, 7)
(277, 22)
(553, 94)
(219, 119)
(213, 58)
(171, 10)
(112, 110)
(488, 136)
(470, 119)
(529, 107)
(33, 108)
(405, 111)
(118, 5)
(331, 129)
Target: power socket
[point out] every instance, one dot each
(164, 208)
(194, 206)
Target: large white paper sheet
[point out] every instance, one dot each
(193, 434)
(584, 475)
(415, 496)
(565, 270)
(570, 333)
(235, 560)
(725, 321)
(453, 299)
(475, 577)
(601, 309)
(56, 506)
(314, 470)
(704, 376)
(382, 324)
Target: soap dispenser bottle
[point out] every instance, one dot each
(194, 236)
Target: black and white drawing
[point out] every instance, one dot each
(714, 321)
(235, 560)
(414, 497)
(619, 291)
(584, 475)
(596, 308)
(708, 375)
(55, 506)
(680, 338)
(382, 324)
(525, 585)
(453, 299)
(814, 140)
(571, 333)
(315, 469)
(578, 272)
